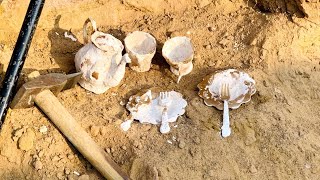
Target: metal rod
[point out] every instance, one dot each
(19, 55)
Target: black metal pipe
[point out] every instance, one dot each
(19, 55)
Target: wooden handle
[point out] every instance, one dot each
(51, 106)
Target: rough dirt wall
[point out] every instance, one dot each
(300, 8)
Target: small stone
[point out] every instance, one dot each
(122, 103)
(43, 129)
(35, 156)
(197, 140)
(76, 173)
(203, 3)
(112, 150)
(67, 171)
(38, 165)
(18, 133)
(26, 140)
(108, 150)
(60, 176)
(208, 47)
(253, 42)
(124, 147)
(70, 156)
(253, 169)
(41, 153)
(182, 144)
(211, 29)
(308, 166)
(33, 75)
(264, 82)
(84, 177)
(95, 130)
(140, 146)
(211, 173)
(55, 158)
(15, 139)
(146, 127)
(62, 156)
(143, 137)
(135, 143)
(103, 131)
(192, 152)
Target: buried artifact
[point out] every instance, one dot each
(155, 108)
(227, 89)
(178, 52)
(100, 61)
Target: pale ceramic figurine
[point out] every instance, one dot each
(155, 108)
(100, 61)
(227, 89)
(141, 47)
(178, 52)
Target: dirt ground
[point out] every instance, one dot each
(275, 136)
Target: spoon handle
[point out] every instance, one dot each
(164, 128)
(225, 129)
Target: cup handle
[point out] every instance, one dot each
(85, 26)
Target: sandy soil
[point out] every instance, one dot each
(275, 136)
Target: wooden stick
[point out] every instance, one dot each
(51, 106)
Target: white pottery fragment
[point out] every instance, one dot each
(100, 61)
(227, 89)
(242, 87)
(141, 47)
(145, 108)
(178, 52)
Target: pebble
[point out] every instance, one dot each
(211, 173)
(43, 129)
(265, 83)
(41, 153)
(143, 137)
(124, 147)
(33, 75)
(60, 176)
(103, 131)
(308, 166)
(112, 149)
(197, 140)
(253, 169)
(108, 150)
(67, 171)
(70, 156)
(95, 130)
(84, 177)
(122, 103)
(26, 140)
(224, 42)
(211, 29)
(208, 47)
(38, 165)
(76, 173)
(18, 133)
(135, 143)
(55, 158)
(140, 146)
(182, 144)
